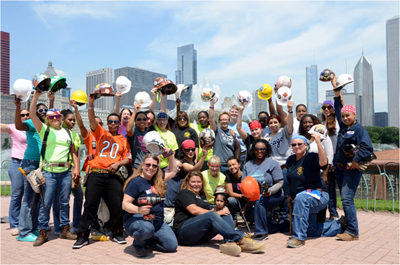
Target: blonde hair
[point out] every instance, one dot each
(47, 122)
(157, 178)
(214, 160)
(185, 184)
(235, 107)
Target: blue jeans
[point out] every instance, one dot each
(17, 191)
(54, 181)
(305, 208)
(234, 206)
(348, 181)
(332, 195)
(28, 218)
(284, 207)
(263, 212)
(201, 228)
(224, 170)
(160, 237)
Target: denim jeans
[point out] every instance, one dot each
(348, 181)
(263, 210)
(17, 191)
(305, 208)
(160, 237)
(332, 194)
(224, 170)
(30, 204)
(54, 181)
(284, 207)
(201, 228)
(234, 206)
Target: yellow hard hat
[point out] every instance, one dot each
(80, 97)
(265, 92)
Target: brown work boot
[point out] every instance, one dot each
(346, 237)
(295, 243)
(248, 244)
(230, 248)
(41, 239)
(66, 234)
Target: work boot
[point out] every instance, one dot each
(248, 244)
(346, 237)
(41, 239)
(230, 248)
(66, 234)
(295, 243)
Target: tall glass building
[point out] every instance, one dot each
(313, 106)
(5, 63)
(96, 77)
(364, 92)
(187, 70)
(392, 62)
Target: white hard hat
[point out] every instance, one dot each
(208, 95)
(245, 98)
(283, 95)
(123, 84)
(343, 80)
(283, 81)
(321, 129)
(154, 143)
(142, 98)
(22, 89)
(181, 89)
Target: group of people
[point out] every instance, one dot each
(189, 194)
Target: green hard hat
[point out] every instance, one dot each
(58, 83)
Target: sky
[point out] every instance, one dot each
(240, 45)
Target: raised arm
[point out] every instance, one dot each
(78, 116)
(178, 106)
(211, 118)
(289, 126)
(238, 150)
(282, 114)
(164, 103)
(239, 128)
(19, 125)
(152, 105)
(323, 160)
(117, 102)
(32, 111)
(129, 126)
(92, 120)
(51, 97)
(188, 167)
(172, 169)
(271, 106)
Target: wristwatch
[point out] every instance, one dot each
(290, 111)
(211, 107)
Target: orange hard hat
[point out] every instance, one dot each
(250, 188)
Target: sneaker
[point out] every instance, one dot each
(36, 232)
(15, 232)
(66, 234)
(295, 243)
(29, 238)
(346, 237)
(118, 237)
(261, 237)
(230, 248)
(249, 245)
(80, 242)
(41, 239)
(140, 253)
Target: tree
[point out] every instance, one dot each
(387, 135)
(6, 144)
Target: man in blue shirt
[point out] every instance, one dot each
(234, 114)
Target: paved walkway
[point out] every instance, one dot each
(378, 244)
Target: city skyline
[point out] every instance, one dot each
(258, 52)
(392, 57)
(187, 71)
(312, 77)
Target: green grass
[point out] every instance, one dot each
(381, 205)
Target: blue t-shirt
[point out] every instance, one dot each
(246, 127)
(266, 173)
(34, 144)
(141, 187)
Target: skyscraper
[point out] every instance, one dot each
(187, 70)
(312, 89)
(96, 77)
(364, 92)
(258, 105)
(392, 62)
(5, 63)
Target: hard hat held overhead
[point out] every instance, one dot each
(103, 90)
(165, 86)
(265, 92)
(57, 83)
(22, 89)
(208, 95)
(123, 84)
(283, 81)
(245, 98)
(283, 95)
(321, 129)
(142, 98)
(207, 138)
(181, 89)
(343, 80)
(326, 75)
(80, 97)
(154, 143)
(41, 82)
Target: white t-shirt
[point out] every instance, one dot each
(296, 125)
(327, 145)
(280, 145)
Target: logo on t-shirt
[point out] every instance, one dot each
(300, 171)
(148, 191)
(187, 134)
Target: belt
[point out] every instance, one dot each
(100, 170)
(57, 164)
(243, 153)
(340, 165)
(283, 167)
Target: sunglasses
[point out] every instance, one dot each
(141, 119)
(326, 107)
(298, 144)
(263, 118)
(260, 149)
(182, 119)
(42, 110)
(113, 121)
(189, 149)
(54, 117)
(25, 115)
(151, 165)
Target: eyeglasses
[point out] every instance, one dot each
(189, 149)
(54, 117)
(101, 123)
(260, 149)
(327, 107)
(42, 110)
(112, 121)
(263, 118)
(141, 119)
(298, 144)
(182, 119)
(151, 165)
(224, 120)
(25, 115)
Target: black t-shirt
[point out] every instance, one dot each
(249, 143)
(138, 148)
(182, 200)
(230, 178)
(183, 134)
(304, 173)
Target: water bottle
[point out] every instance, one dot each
(100, 238)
